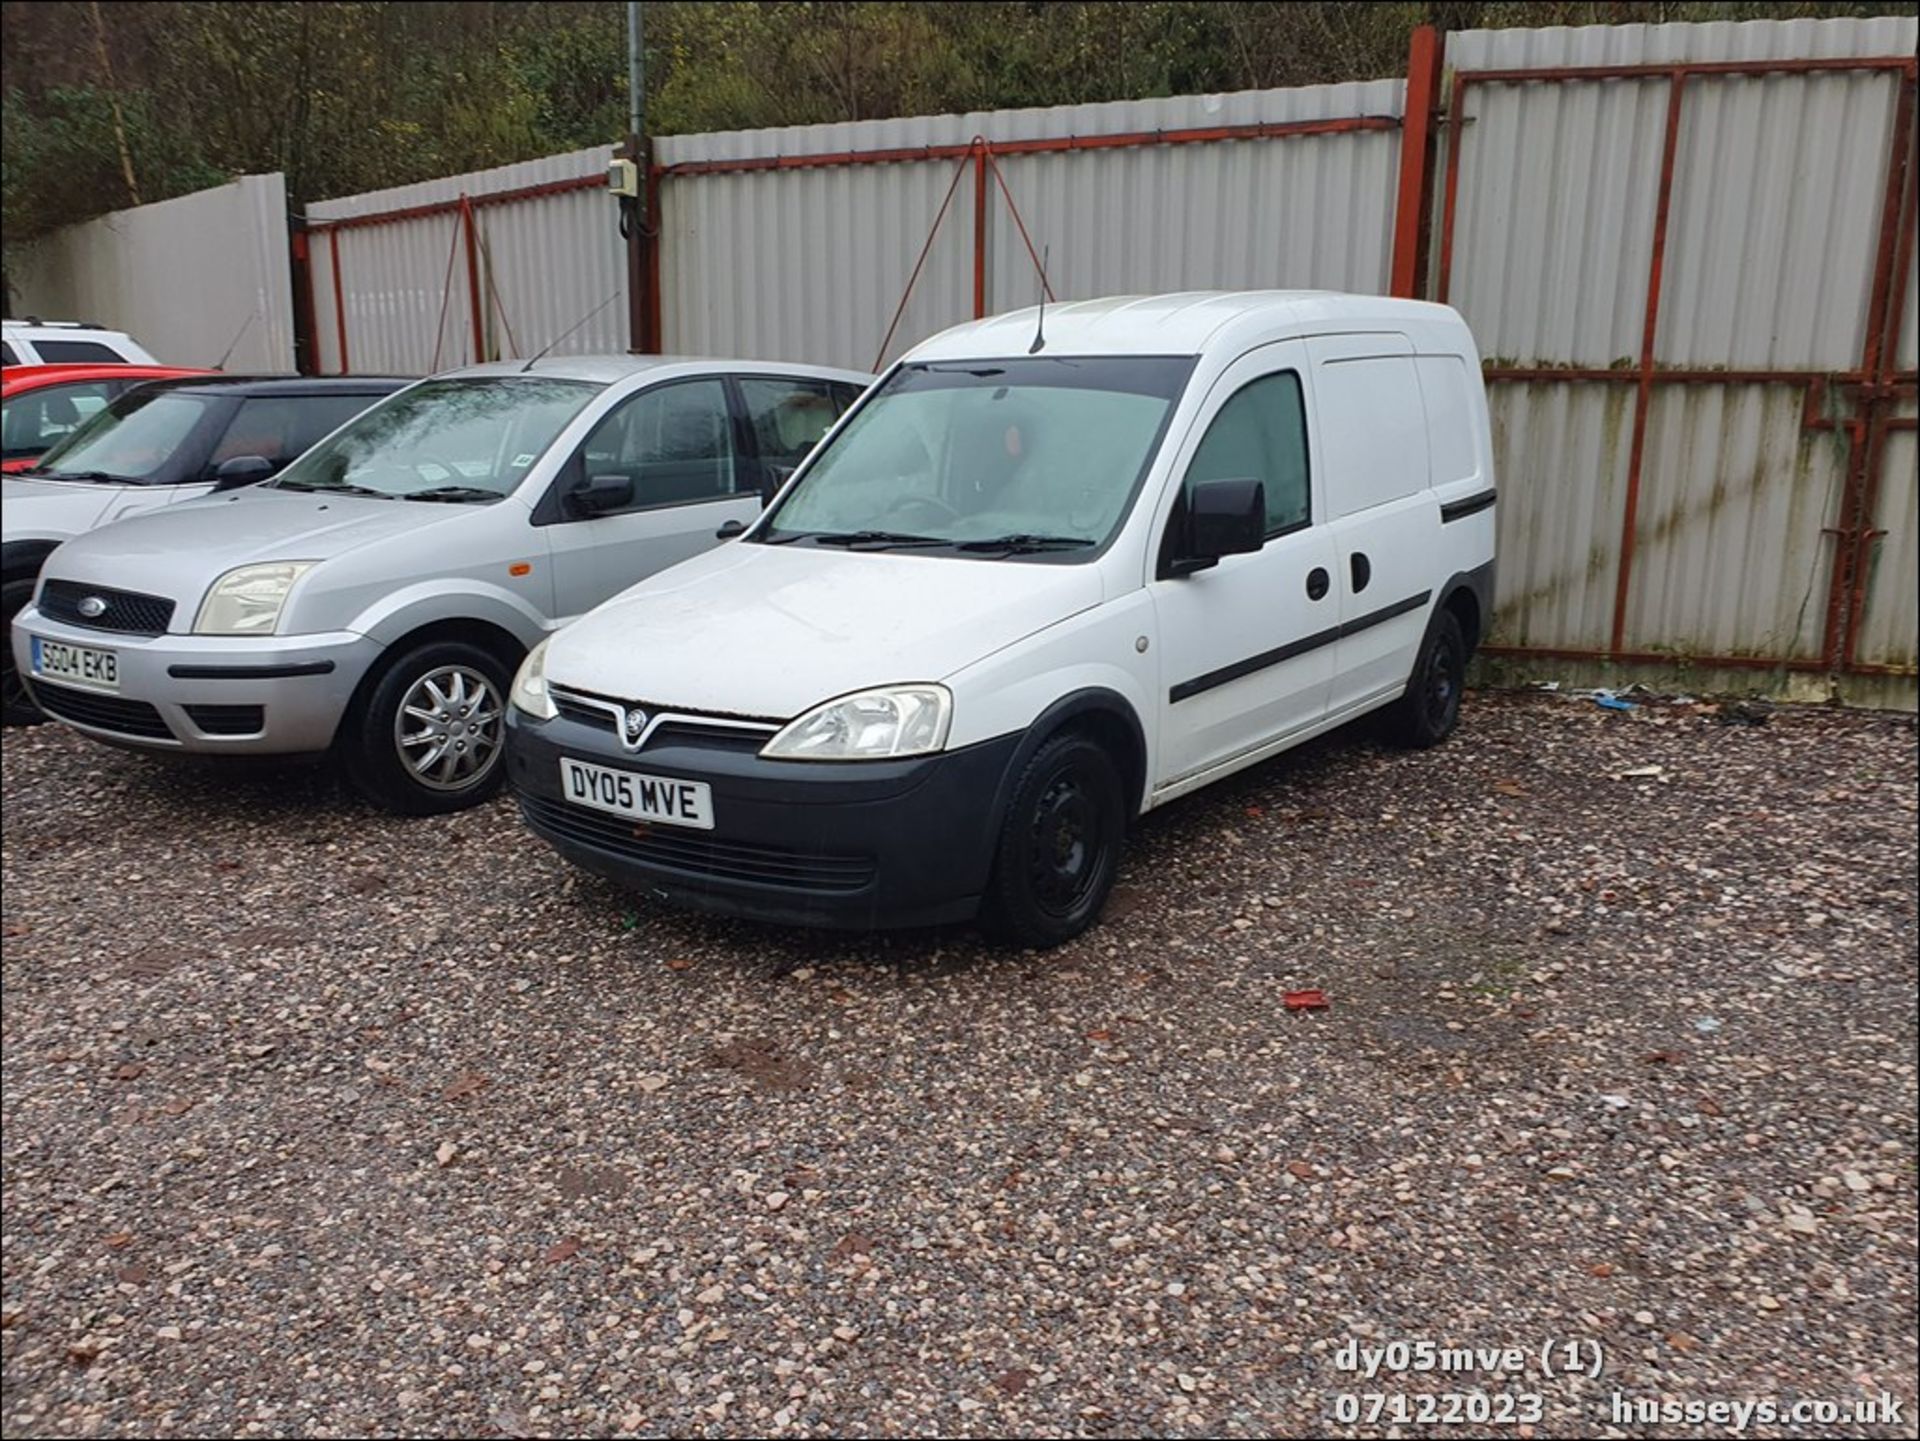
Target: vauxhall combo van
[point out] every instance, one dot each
(1052, 571)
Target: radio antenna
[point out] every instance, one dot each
(540, 354)
(221, 363)
(1040, 321)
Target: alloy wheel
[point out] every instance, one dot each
(448, 728)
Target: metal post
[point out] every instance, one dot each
(339, 299)
(476, 309)
(638, 218)
(979, 228)
(1643, 397)
(1415, 201)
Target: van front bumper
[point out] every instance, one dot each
(203, 694)
(862, 845)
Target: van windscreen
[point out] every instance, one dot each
(1035, 456)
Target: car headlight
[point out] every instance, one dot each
(529, 691)
(248, 601)
(883, 724)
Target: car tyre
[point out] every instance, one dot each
(1430, 709)
(1059, 846)
(18, 708)
(428, 736)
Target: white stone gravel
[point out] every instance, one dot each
(319, 1122)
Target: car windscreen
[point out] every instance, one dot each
(1031, 456)
(135, 439)
(456, 439)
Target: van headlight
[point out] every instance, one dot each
(871, 725)
(529, 691)
(248, 601)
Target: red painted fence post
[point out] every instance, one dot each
(1412, 221)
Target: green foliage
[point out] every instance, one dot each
(59, 160)
(353, 95)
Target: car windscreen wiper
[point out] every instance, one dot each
(875, 539)
(457, 494)
(1024, 544)
(81, 475)
(340, 487)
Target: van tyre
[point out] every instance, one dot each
(1059, 847)
(427, 737)
(1430, 709)
(19, 709)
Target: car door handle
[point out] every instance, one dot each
(1318, 583)
(1361, 570)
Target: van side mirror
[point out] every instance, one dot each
(1224, 517)
(599, 494)
(242, 470)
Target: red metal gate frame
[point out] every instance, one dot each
(463, 206)
(1873, 388)
(983, 154)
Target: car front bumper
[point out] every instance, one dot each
(862, 846)
(203, 694)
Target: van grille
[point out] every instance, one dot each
(695, 853)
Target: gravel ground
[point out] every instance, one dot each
(321, 1122)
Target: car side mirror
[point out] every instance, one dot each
(729, 530)
(242, 470)
(599, 494)
(1224, 517)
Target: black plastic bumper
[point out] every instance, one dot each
(864, 846)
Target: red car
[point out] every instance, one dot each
(42, 404)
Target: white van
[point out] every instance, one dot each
(1052, 571)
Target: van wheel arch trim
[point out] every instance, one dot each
(1076, 705)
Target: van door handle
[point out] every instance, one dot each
(1362, 571)
(1318, 583)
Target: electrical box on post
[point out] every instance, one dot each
(623, 179)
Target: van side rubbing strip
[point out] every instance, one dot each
(1187, 689)
(1467, 505)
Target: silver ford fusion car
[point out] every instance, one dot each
(375, 598)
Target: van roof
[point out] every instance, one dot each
(1186, 323)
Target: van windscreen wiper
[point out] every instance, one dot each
(1024, 544)
(458, 494)
(339, 487)
(875, 539)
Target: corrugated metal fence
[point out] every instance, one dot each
(442, 273)
(801, 244)
(1687, 251)
(189, 278)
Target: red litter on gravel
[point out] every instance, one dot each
(1304, 1000)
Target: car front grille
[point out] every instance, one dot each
(102, 712)
(696, 853)
(125, 611)
(228, 720)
